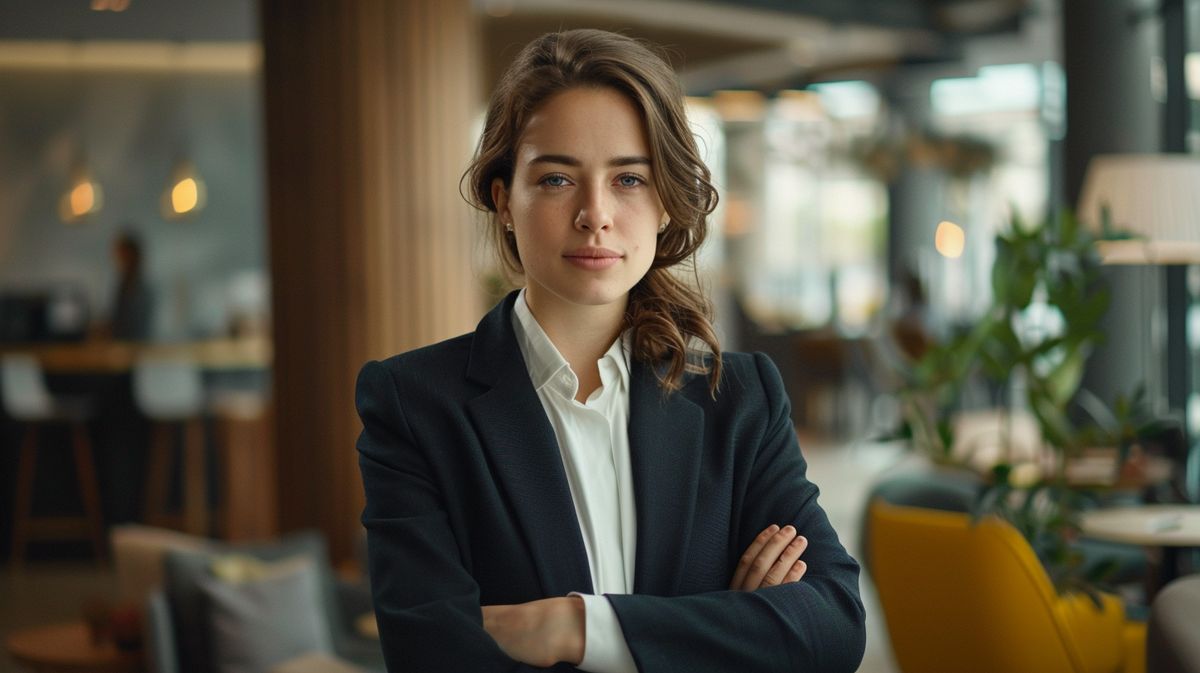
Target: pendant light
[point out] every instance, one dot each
(82, 196)
(184, 194)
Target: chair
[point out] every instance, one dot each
(138, 552)
(956, 490)
(962, 597)
(1171, 642)
(170, 392)
(27, 401)
(940, 489)
(162, 569)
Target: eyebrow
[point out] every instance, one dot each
(568, 160)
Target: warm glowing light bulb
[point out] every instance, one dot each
(184, 196)
(950, 240)
(83, 198)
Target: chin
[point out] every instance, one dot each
(594, 296)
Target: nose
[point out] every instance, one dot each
(595, 212)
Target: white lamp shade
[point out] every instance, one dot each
(1155, 197)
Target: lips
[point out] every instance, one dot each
(593, 252)
(592, 258)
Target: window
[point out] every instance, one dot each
(1007, 109)
(806, 223)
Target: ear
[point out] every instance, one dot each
(500, 198)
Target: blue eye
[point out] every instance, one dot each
(554, 181)
(630, 180)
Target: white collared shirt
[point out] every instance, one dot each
(593, 440)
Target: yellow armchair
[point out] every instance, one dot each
(958, 597)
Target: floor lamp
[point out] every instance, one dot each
(1155, 197)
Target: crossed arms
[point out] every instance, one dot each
(428, 604)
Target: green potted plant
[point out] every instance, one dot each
(1030, 348)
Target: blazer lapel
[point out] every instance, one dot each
(666, 438)
(514, 430)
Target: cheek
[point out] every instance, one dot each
(647, 238)
(537, 211)
(643, 250)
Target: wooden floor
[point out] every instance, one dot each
(44, 593)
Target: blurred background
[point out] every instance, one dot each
(212, 213)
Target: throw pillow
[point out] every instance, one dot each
(183, 571)
(264, 613)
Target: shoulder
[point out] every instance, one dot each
(434, 357)
(743, 373)
(747, 380)
(750, 402)
(432, 365)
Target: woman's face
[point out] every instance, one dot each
(582, 203)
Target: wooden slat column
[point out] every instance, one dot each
(369, 106)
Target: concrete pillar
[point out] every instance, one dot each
(1108, 49)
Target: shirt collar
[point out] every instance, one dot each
(547, 366)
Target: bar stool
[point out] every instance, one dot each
(245, 455)
(26, 400)
(170, 392)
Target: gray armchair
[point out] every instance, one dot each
(178, 631)
(1172, 645)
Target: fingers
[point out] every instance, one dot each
(786, 564)
(767, 557)
(797, 571)
(772, 558)
(756, 545)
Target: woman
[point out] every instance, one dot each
(587, 480)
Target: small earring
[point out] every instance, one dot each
(663, 227)
(508, 227)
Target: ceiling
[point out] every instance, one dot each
(761, 44)
(169, 20)
(715, 44)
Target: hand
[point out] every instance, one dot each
(539, 633)
(773, 558)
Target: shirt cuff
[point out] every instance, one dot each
(605, 649)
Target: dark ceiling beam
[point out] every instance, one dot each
(912, 14)
(963, 17)
(207, 21)
(719, 44)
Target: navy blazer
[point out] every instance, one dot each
(467, 504)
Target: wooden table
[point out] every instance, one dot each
(1169, 528)
(67, 648)
(1098, 469)
(120, 356)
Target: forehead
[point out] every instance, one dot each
(585, 122)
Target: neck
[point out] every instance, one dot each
(581, 333)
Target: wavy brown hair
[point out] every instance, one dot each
(670, 320)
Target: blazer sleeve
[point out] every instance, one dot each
(426, 603)
(816, 624)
